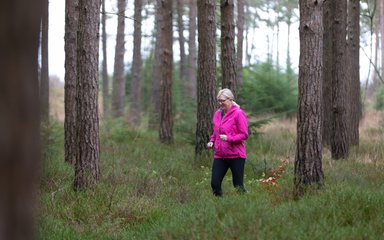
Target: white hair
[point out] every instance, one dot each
(227, 93)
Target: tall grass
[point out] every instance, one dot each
(152, 191)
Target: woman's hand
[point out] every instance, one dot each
(210, 144)
(223, 137)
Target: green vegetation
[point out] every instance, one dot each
(379, 98)
(272, 91)
(151, 191)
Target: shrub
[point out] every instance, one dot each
(379, 98)
(267, 90)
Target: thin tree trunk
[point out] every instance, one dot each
(135, 109)
(166, 123)
(340, 99)
(192, 63)
(70, 46)
(228, 57)
(19, 117)
(308, 160)
(382, 36)
(104, 65)
(240, 40)
(180, 27)
(118, 88)
(154, 118)
(206, 93)
(44, 81)
(88, 144)
(277, 22)
(354, 63)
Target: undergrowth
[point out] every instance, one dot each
(152, 191)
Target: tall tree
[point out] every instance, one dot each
(104, 69)
(19, 117)
(87, 125)
(192, 68)
(206, 81)
(228, 57)
(240, 39)
(118, 86)
(44, 79)
(308, 166)
(165, 42)
(327, 73)
(135, 109)
(180, 29)
(289, 17)
(382, 35)
(340, 98)
(354, 63)
(70, 46)
(154, 118)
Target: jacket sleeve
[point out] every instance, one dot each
(242, 128)
(213, 136)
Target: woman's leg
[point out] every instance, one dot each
(237, 168)
(219, 169)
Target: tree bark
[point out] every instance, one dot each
(180, 27)
(228, 55)
(354, 65)
(308, 166)
(240, 40)
(154, 117)
(88, 143)
(118, 88)
(327, 73)
(70, 46)
(104, 70)
(192, 63)
(206, 81)
(44, 80)
(135, 108)
(20, 117)
(340, 99)
(166, 123)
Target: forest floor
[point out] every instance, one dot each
(151, 191)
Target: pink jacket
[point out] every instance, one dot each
(234, 124)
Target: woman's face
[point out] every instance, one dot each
(224, 103)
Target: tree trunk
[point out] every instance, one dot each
(19, 117)
(44, 81)
(118, 88)
(240, 40)
(354, 63)
(340, 120)
(308, 166)
(327, 73)
(382, 36)
(206, 91)
(166, 41)
(154, 117)
(70, 46)
(228, 57)
(277, 32)
(192, 69)
(104, 64)
(88, 146)
(180, 27)
(135, 108)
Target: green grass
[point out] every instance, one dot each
(152, 191)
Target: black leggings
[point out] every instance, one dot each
(219, 169)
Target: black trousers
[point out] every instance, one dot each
(219, 169)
